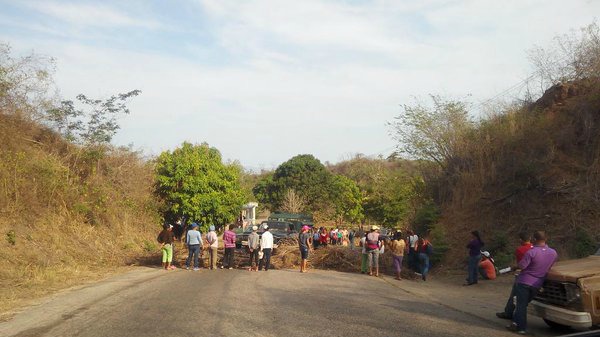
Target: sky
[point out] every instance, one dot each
(263, 81)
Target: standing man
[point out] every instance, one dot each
(193, 241)
(213, 246)
(413, 255)
(229, 243)
(253, 243)
(304, 240)
(534, 265)
(519, 253)
(373, 246)
(351, 239)
(266, 246)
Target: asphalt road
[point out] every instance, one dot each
(153, 302)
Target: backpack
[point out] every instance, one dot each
(372, 244)
(428, 249)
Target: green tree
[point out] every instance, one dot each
(193, 182)
(346, 199)
(387, 187)
(305, 175)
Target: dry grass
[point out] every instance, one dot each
(68, 214)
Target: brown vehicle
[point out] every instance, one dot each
(571, 294)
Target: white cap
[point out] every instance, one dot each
(486, 254)
(255, 228)
(265, 226)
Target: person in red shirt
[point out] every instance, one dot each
(524, 247)
(323, 236)
(519, 253)
(486, 267)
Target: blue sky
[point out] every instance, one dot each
(265, 80)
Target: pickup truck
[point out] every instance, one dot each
(279, 229)
(571, 294)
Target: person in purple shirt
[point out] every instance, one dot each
(474, 246)
(534, 266)
(229, 243)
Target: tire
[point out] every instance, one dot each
(555, 325)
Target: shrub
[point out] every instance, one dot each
(11, 237)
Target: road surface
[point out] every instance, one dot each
(153, 302)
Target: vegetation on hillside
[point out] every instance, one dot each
(68, 209)
(532, 165)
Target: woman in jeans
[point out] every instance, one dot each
(474, 246)
(425, 251)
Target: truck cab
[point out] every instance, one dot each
(571, 294)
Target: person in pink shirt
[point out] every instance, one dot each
(229, 243)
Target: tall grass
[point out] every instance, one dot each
(67, 213)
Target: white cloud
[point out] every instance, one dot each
(81, 14)
(307, 76)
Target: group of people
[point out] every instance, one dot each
(336, 236)
(534, 260)
(260, 248)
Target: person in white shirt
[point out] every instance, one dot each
(266, 246)
(413, 255)
(213, 242)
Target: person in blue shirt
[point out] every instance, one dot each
(193, 241)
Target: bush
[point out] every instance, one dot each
(426, 217)
(11, 237)
(584, 244)
(439, 242)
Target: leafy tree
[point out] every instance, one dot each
(263, 191)
(93, 124)
(305, 175)
(387, 187)
(194, 183)
(303, 184)
(346, 199)
(432, 133)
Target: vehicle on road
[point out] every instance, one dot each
(279, 229)
(297, 219)
(570, 296)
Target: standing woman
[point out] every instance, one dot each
(316, 237)
(364, 256)
(397, 247)
(474, 246)
(323, 237)
(373, 242)
(166, 239)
